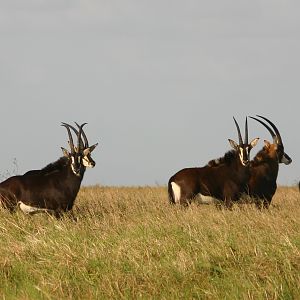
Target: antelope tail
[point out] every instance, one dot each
(171, 193)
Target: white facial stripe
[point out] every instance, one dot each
(242, 159)
(176, 191)
(241, 156)
(87, 162)
(74, 171)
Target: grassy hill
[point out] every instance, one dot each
(129, 243)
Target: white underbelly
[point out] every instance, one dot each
(27, 209)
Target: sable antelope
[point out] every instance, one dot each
(224, 182)
(265, 165)
(54, 188)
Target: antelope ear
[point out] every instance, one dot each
(89, 149)
(267, 143)
(65, 152)
(254, 142)
(233, 144)
(86, 151)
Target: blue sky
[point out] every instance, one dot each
(157, 82)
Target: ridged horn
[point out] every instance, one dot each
(239, 131)
(86, 142)
(70, 138)
(79, 141)
(278, 140)
(246, 132)
(82, 146)
(275, 140)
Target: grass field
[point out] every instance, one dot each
(129, 243)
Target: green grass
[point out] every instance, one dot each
(129, 243)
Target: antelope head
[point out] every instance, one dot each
(276, 148)
(243, 148)
(80, 156)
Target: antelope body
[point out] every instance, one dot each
(265, 165)
(54, 188)
(224, 181)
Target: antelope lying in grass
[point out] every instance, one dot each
(265, 165)
(225, 181)
(54, 188)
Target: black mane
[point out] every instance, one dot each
(50, 168)
(226, 159)
(261, 157)
(56, 166)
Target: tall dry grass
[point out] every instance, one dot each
(129, 243)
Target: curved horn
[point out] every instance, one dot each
(79, 136)
(246, 132)
(76, 132)
(70, 138)
(267, 126)
(86, 142)
(278, 140)
(239, 131)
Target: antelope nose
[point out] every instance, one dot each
(286, 159)
(245, 162)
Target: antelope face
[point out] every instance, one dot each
(244, 154)
(87, 159)
(243, 148)
(277, 145)
(283, 158)
(80, 156)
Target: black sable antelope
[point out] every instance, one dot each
(225, 181)
(265, 165)
(54, 188)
